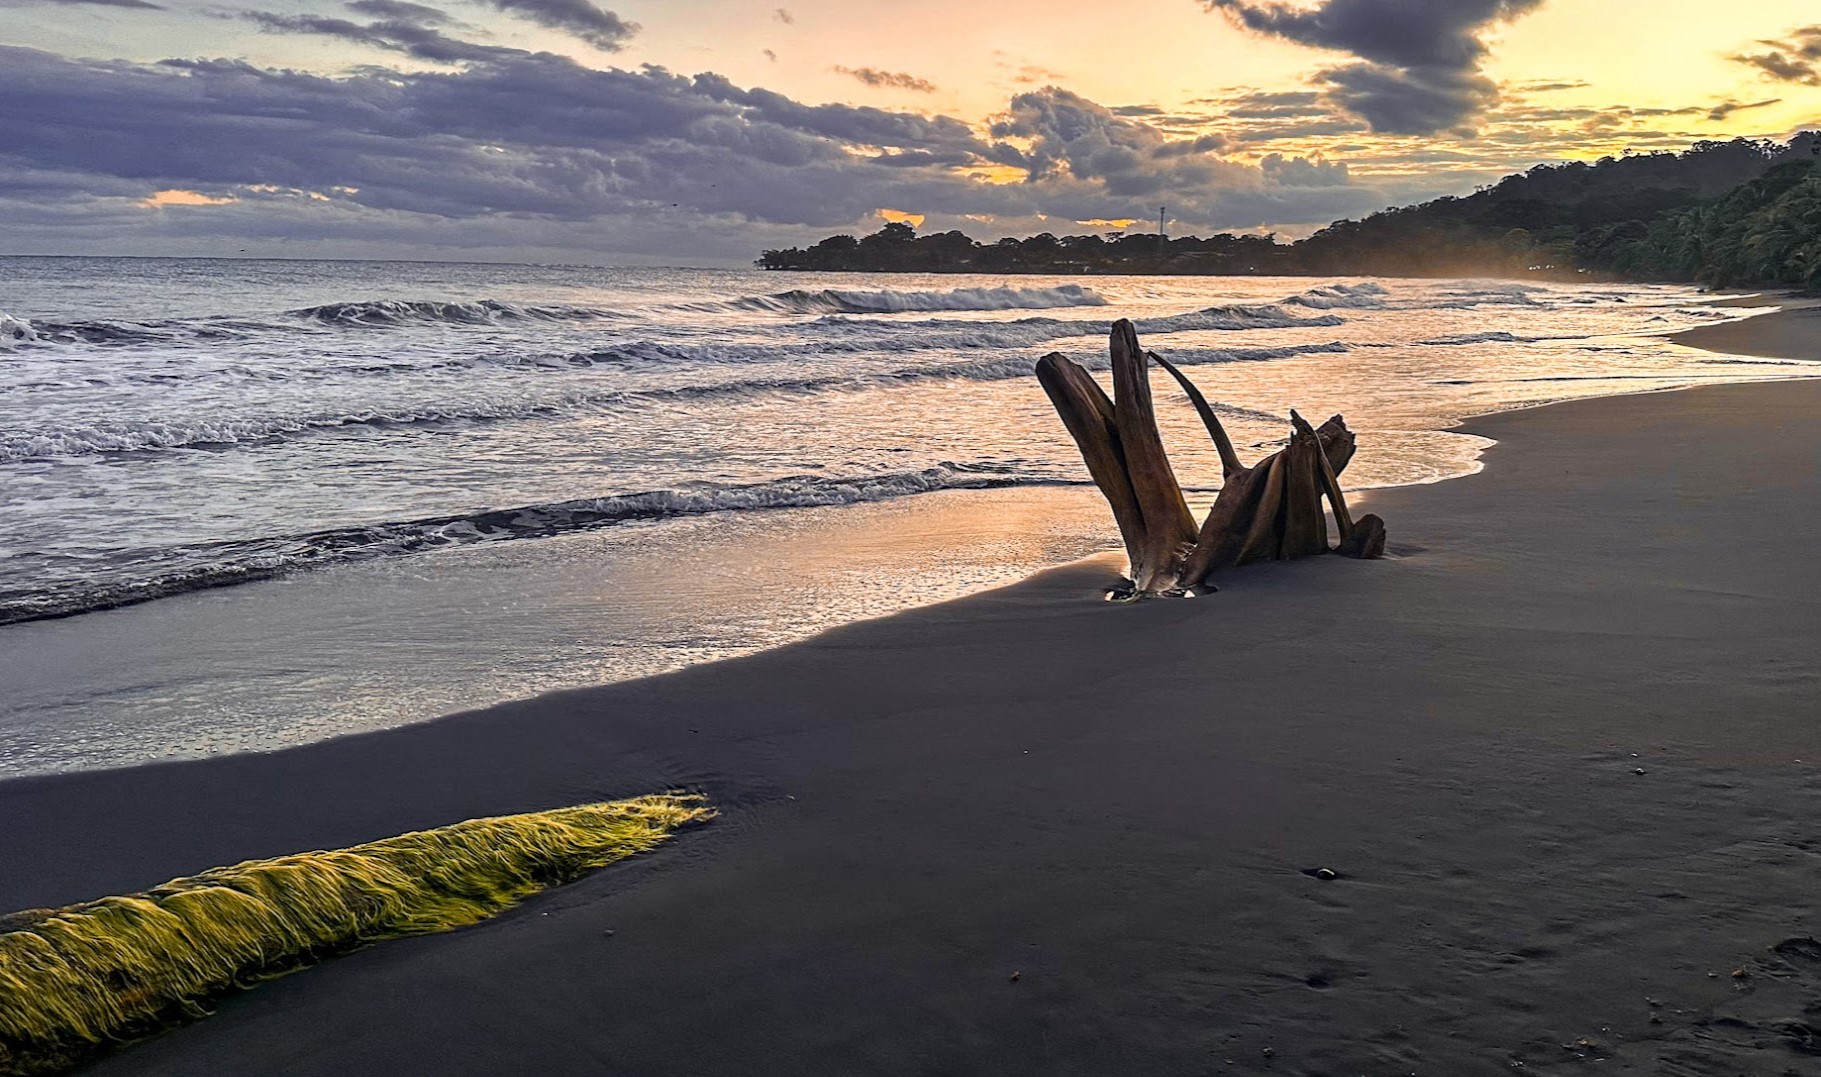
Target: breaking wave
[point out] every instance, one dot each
(1028, 332)
(836, 310)
(95, 439)
(1495, 294)
(179, 569)
(1497, 336)
(842, 301)
(388, 312)
(368, 314)
(15, 331)
(1238, 317)
(1365, 296)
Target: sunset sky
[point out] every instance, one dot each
(698, 131)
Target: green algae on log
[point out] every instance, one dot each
(80, 980)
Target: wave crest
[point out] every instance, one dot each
(192, 568)
(15, 331)
(1363, 296)
(98, 439)
(843, 301)
(388, 312)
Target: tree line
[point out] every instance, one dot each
(1741, 212)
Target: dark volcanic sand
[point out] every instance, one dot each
(1031, 832)
(1792, 333)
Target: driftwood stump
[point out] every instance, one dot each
(1269, 511)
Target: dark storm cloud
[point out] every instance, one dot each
(896, 80)
(1780, 68)
(1420, 59)
(528, 133)
(596, 25)
(401, 11)
(1319, 128)
(855, 124)
(396, 35)
(567, 151)
(1277, 105)
(1401, 33)
(1303, 172)
(922, 159)
(96, 3)
(1200, 144)
(1727, 108)
(1409, 100)
(1091, 141)
(1248, 116)
(1543, 127)
(1794, 58)
(518, 133)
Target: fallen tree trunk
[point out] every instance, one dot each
(1269, 511)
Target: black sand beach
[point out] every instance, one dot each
(1793, 333)
(1559, 752)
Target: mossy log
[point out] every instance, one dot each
(78, 981)
(1269, 511)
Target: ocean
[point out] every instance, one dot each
(247, 503)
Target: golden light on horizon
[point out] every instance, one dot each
(176, 197)
(997, 175)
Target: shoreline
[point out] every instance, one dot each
(1789, 333)
(1550, 753)
(262, 555)
(567, 612)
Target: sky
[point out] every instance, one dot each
(697, 132)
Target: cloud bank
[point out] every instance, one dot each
(599, 27)
(1419, 61)
(502, 143)
(1796, 57)
(896, 80)
(143, 4)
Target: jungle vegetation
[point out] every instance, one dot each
(1742, 212)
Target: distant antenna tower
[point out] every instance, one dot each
(1160, 212)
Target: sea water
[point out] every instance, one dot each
(246, 503)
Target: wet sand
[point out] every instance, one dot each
(1559, 754)
(392, 641)
(1791, 333)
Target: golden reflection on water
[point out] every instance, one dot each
(293, 660)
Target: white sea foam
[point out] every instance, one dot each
(177, 569)
(15, 331)
(846, 301)
(388, 312)
(90, 439)
(1489, 294)
(99, 438)
(158, 417)
(1363, 296)
(1488, 337)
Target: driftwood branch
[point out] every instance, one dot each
(1269, 511)
(1229, 458)
(1343, 520)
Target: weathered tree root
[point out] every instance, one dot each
(1271, 511)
